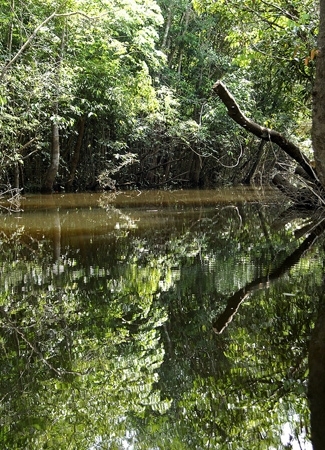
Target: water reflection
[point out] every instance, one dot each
(107, 308)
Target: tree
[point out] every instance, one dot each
(91, 66)
(316, 178)
(126, 87)
(318, 129)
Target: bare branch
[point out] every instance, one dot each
(34, 34)
(27, 145)
(24, 46)
(282, 11)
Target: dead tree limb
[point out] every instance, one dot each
(262, 132)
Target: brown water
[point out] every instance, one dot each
(80, 211)
(108, 304)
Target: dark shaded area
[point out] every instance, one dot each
(316, 387)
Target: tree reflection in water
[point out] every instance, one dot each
(109, 343)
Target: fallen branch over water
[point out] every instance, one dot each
(264, 133)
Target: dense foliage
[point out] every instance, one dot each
(118, 93)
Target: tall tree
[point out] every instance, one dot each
(52, 171)
(318, 129)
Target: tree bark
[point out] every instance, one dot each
(11, 27)
(16, 177)
(318, 126)
(316, 361)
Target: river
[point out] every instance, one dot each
(157, 320)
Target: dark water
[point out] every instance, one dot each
(156, 320)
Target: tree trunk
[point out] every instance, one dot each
(76, 154)
(11, 27)
(55, 148)
(16, 177)
(55, 160)
(185, 27)
(250, 176)
(195, 169)
(318, 127)
(168, 24)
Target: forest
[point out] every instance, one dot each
(185, 319)
(109, 94)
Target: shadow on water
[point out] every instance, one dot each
(170, 320)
